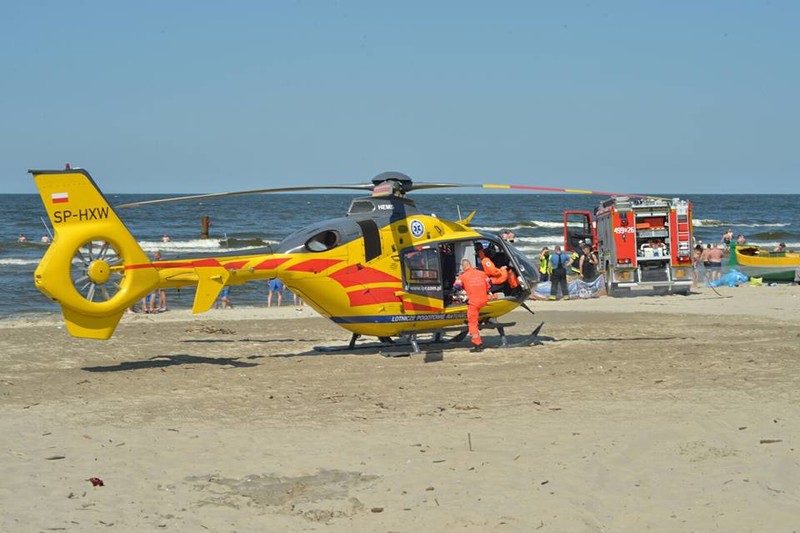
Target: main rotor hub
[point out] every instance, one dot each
(391, 184)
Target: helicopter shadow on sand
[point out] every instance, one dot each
(627, 339)
(248, 340)
(430, 350)
(168, 360)
(163, 361)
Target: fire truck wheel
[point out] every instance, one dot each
(611, 290)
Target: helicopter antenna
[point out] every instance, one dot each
(458, 208)
(46, 227)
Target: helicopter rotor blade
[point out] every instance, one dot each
(561, 190)
(370, 187)
(496, 186)
(354, 187)
(421, 186)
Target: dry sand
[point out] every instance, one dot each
(663, 413)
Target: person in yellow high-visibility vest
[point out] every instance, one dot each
(544, 264)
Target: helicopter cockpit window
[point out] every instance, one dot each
(361, 206)
(324, 240)
(422, 272)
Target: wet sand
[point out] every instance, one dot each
(661, 413)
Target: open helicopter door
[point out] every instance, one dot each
(423, 288)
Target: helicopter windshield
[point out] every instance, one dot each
(523, 264)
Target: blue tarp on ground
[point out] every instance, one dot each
(732, 278)
(577, 288)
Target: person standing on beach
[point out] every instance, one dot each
(275, 286)
(588, 264)
(155, 302)
(544, 265)
(476, 284)
(297, 300)
(727, 238)
(704, 259)
(696, 255)
(575, 259)
(224, 298)
(715, 257)
(559, 262)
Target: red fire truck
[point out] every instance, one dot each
(641, 243)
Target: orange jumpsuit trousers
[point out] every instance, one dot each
(476, 284)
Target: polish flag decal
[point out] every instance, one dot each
(60, 197)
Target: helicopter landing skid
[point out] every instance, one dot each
(532, 339)
(411, 339)
(386, 342)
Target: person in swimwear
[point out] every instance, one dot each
(715, 257)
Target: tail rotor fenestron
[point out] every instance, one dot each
(96, 271)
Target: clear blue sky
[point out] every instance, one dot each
(638, 96)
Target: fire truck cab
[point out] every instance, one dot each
(641, 243)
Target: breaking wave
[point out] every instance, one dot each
(771, 235)
(544, 240)
(533, 224)
(204, 245)
(17, 261)
(712, 223)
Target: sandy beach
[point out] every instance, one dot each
(654, 413)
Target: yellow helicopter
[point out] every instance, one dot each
(384, 269)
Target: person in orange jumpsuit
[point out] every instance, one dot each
(498, 276)
(476, 284)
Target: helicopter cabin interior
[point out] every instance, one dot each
(431, 270)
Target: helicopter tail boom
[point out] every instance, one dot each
(94, 268)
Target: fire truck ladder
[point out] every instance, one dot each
(684, 231)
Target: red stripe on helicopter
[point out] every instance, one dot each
(314, 265)
(176, 264)
(162, 264)
(136, 267)
(209, 262)
(235, 265)
(373, 296)
(361, 275)
(269, 264)
(411, 306)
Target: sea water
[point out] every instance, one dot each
(251, 224)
